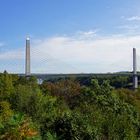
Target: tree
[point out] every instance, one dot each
(6, 86)
(18, 127)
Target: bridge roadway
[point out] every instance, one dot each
(52, 76)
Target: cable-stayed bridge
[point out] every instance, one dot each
(42, 62)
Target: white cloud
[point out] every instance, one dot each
(106, 54)
(75, 54)
(86, 34)
(133, 18)
(129, 27)
(12, 55)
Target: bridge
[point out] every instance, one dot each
(44, 76)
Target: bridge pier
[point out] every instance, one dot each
(27, 60)
(135, 77)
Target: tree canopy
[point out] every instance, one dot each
(65, 109)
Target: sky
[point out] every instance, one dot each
(69, 36)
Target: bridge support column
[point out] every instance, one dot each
(27, 63)
(135, 77)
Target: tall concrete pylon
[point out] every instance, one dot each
(27, 63)
(135, 77)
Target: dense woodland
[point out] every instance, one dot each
(100, 108)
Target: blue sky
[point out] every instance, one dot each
(69, 35)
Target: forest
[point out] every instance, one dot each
(93, 108)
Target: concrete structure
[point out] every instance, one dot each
(27, 63)
(135, 77)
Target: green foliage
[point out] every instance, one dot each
(18, 127)
(5, 111)
(6, 86)
(50, 136)
(65, 110)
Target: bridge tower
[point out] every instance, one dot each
(135, 77)
(27, 63)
